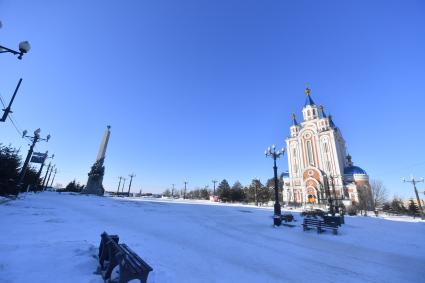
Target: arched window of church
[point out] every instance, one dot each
(325, 145)
(314, 112)
(308, 112)
(310, 153)
(294, 153)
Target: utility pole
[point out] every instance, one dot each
(45, 176)
(129, 186)
(123, 185)
(172, 191)
(41, 168)
(184, 192)
(119, 184)
(214, 182)
(413, 181)
(54, 175)
(42, 165)
(8, 109)
(48, 179)
(34, 140)
(255, 191)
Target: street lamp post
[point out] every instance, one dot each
(47, 173)
(34, 140)
(413, 181)
(42, 166)
(53, 179)
(119, 184)
(48, 179)
(131, 180)
(214, 182)
(123, 185)
(256, 181)
(185, 187)
(277, 218)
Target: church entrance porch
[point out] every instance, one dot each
(311, 195)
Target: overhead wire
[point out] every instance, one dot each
(14, 122)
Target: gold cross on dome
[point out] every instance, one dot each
(307, 91)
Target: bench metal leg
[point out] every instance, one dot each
(126, 276)
(114, 261)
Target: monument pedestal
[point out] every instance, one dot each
(94, 183)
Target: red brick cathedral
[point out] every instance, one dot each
(318, 163)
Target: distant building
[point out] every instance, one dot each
(318, 162)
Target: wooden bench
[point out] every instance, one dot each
(112, 254)
(105, 252)
(319, 224)
(132, 266)
(287, 217)
(333, 220)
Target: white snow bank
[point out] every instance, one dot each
(51, 237)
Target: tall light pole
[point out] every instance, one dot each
(42, 164)
(47, 173)
(119, 184)
(34, 140)
(413, 181)
(214, 182)
(48, 179)
(123, 185)
(271, 152)
(54, 175)
(131, 179)
(184, 192)
(256, 181)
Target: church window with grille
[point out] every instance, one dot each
(310, 153)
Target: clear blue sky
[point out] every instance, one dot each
(198, 89)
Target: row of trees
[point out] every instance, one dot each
(372, 198)
(72, 187)
(10, 167)
(254, 192)
(396, 206)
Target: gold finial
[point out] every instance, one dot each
(307, 91)
(293, 116)
(321, 108)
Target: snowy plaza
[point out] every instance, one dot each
(52, 237)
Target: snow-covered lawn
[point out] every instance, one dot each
(51, 237)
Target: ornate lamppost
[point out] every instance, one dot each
(23, 47)
(34, 139)
(271, 152)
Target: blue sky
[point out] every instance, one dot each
(197, 90)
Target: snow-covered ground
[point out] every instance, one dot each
(51, 237)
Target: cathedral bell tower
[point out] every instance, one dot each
(310, 111)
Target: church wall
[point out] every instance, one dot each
(328, 153)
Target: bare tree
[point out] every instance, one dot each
(379, 193)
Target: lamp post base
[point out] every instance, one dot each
(277, 220)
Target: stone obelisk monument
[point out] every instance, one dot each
(94, 183)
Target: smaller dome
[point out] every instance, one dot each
(354, 170)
